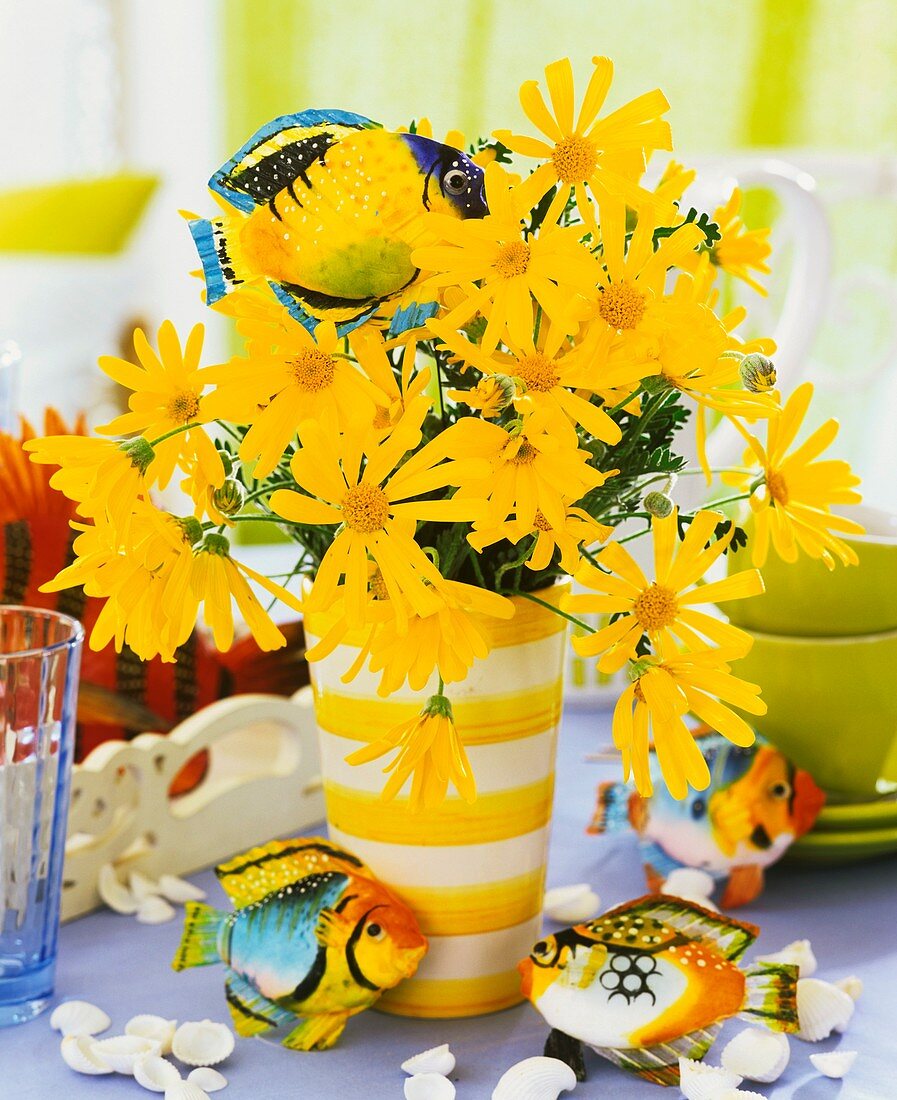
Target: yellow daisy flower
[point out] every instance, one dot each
(553, 268)
(578, 528)
(663, 608)
(739, 249)
(653, 707)
(167, 393)
(392, 398)
(430, 752)
(607, 155)
(792, 499)
(491, 395)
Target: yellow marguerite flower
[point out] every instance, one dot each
(392, 399)
(653, 707)
(578, 528)
(553, 268)
(491, 395)
(607, 155)
(374, 510)
(663, 608)
(167, 393)
(792, 502)
(740, 249)
(430, 752)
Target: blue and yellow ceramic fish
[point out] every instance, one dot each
(325, 207)
(315, 939)
(756, 806)
(652, 981)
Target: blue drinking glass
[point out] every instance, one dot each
(40, 654)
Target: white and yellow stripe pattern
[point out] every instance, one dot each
(474, 875)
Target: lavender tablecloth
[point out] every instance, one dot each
(849, 913)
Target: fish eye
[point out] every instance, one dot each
(780, 790)
(698, 807)
(454, 182)
(375, 932)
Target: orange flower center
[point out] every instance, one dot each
(656, 607)
(311, 369)
(512, 259)
(183, 407)
(365, 508)
(621, 305)
(381, 417)
(538, 372)
(574, 159)
(777, 487)
(526, 453)
(541, 522)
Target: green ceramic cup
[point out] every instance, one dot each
(832, 707)
(807, 599)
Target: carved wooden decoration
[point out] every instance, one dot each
(263, 782)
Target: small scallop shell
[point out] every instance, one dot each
(834, 1063)
(155, 910)
(535, 1079)
(698, 1081)
(79, 1018)
(689, 882)
(435, 1060)
(202, 1043)
(207, 1078)
(79, 1053)
(429, 1086)
(757, 1055)
(572, 904)
(142, 887)
(852, 986)
(179, 890)
(155, 1073)
(123, 1052)
(821, 1009)
(738, 1094)
(153, 1027)
(185, 1090)
(114, 893)
(799, 954)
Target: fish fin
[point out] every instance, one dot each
(252, 1012)
(772, 996)
(317, 1032)
(199, 941)
(744, 884)
(309, 308)
(807, 801)
(280, 152)
(106, 707)
(411, 316)
(611, 808)
(331, 930)
(660, 1064)
(730, 937)
(566, 1049)
(251, 876)
(218, 246)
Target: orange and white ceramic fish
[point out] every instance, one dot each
(652, 981)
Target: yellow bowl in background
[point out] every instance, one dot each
(806, 599)
(832, 707)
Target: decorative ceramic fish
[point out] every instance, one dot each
(756, 806)
(315, 939)
(650, 981)
(328, 209)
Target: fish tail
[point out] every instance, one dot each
(772, 996)
(659, 1064)
(611, 809)
(199, 941)
(216, 244)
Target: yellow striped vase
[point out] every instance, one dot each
(474, 875)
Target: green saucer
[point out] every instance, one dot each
(851, 816)
(843, 846)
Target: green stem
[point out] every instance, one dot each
(551, 607)
(727, 500)
(174, 431)
(267, 490)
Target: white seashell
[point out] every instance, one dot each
(179, 890)
(155, 1073)
(738, 1094)
(852, 986)
(757, 1055)
(429, 1086)
(821, 1009)
(572, 904)
(123, 1052)
(698, 1081)
(435, 1060)
(79, 1018)
(142, 887)
(207, 1078)
(535, 1079)
(153, 1027)
(689, 882)
(155, 910)
(799, 954)
(202, 1043)
(185, 1090)
(79, 1053)
(114, 893)
(834, 1063)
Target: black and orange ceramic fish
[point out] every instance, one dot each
(120, 695)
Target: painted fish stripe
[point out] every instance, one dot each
(285, 853)
(233, 999)
(354, 969)
(313, 978)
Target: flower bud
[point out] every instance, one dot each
(758, 373)
(658, 504)
(192, 529)
(228, 500)
(139, 451)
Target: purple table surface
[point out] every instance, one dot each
(847, 912)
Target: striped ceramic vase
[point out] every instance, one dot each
(473, 874)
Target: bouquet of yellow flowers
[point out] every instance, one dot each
(457, 382)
